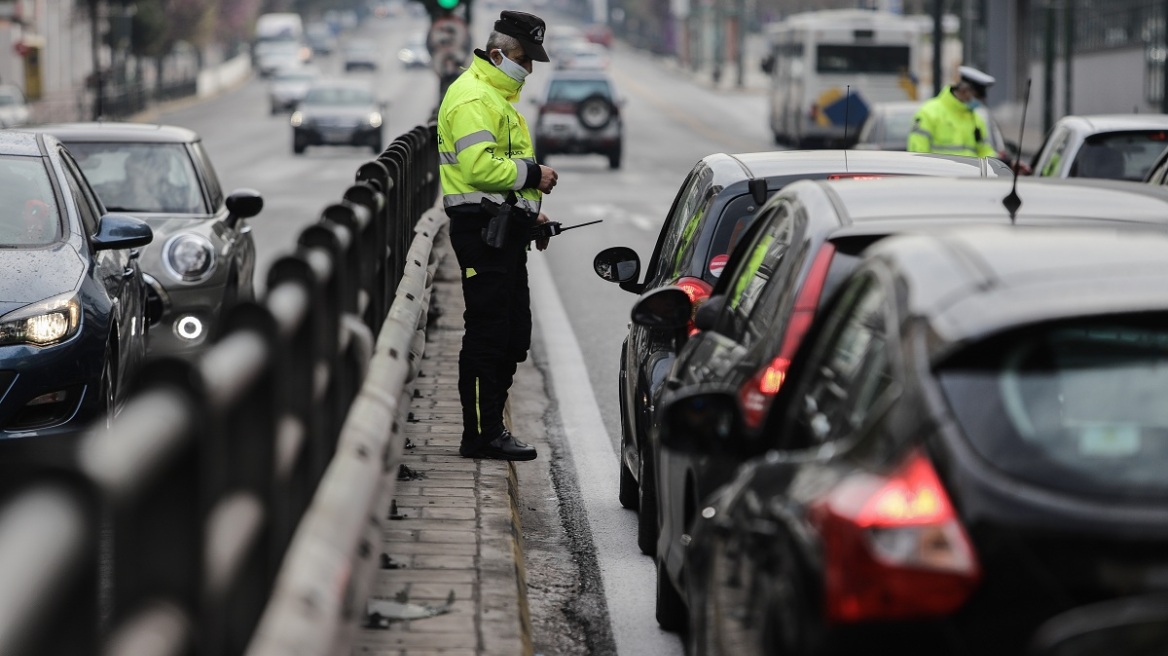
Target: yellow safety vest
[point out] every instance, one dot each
(484, 147)
(944, 125)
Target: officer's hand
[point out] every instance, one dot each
(547, 178)
(542, 242)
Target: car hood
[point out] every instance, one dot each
(36, 274)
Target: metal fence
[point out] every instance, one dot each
(244, 486)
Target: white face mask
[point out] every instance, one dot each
(511, 69)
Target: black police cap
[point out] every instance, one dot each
(528, 29)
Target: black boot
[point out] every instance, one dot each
(504, 447)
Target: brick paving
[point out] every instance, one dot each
(458, 531)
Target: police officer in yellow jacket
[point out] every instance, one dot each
(948, 124)
(486, 154)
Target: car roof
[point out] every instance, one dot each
(809, 162)
(19, 142)
(1115, 122)
(106, 131)
(903, 200)
(969, 283)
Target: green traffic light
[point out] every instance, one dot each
(448, 4)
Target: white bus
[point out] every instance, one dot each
(828, 67)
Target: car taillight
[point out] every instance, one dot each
(698, 291)
(756, 393)
(893, 547)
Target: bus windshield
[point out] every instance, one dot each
(834, 58)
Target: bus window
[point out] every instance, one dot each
(862, 59)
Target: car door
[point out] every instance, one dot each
(1054, 157)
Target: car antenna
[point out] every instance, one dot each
(1014, 201)
(847, 110)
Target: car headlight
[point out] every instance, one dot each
(297, 119)
(189, 257)
(375, 120)
(42, 324)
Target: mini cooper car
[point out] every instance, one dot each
(72, 300)
(203, 257)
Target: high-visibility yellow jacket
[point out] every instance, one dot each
(484, 147)
(944, 125)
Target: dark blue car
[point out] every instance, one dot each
(72, 300)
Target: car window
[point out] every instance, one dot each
(1054, 156)
(738, 214)
(577, 90)
(141, 177)
(849, 370)
(691, 195)
(210, 177)
(31, 216)
(1119, 155)
(1074, 406)
(88, 205)
(767, 253)
(338, 96)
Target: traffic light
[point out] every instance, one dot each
(438, 8)
(449, 5)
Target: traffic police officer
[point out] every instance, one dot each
(485, 151)
(947, 123)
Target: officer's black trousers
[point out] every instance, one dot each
(497, 321)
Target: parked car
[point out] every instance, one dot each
(203, 257)
(14, 112)
(579, 113)
(1114, 146)
(73, 315)
(582, 55)
(287, 86)
(715, 206)
(1132, 626)
(338, 112)
(360, 54)
(889, 123)
(968, 444)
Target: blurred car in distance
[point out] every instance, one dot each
(360, 54)
(319, 36)
(713, 209)
(73, 316)
(889, 123)
(415, 54)
(338, 112)
(202, 260)
(967, 446)
(287, 86)
(579, 113)
(14, 112)
(1113, 146)
(582, 55)
(271, 56)
(599, 33)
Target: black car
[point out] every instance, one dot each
(970, 443)
(72, 300)
(338, 112)
(804, 242)
(203, 257)
(714, 207)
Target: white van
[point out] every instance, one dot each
(283, 26)
(828, 67)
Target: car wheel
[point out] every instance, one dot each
(629, 494)
(671, 612)
(647, 508)
(595, 112)
(298, 144)
(614, 158)
(376, 147)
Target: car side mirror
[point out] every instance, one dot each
(702, 420)
(665, 308)
(707, 315)
(619, 264)
(243, 204)
(118, 231)
(767, 64)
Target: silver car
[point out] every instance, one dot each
(1114, 146)
(287, 86)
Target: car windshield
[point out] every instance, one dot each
(278, 47)
(338, 96)
(141, 177)
(1075, 406)
(29, 216)
(293, 76)
(1120, 155)
(577, 90)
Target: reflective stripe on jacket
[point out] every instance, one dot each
(944, 125)
(484, 147)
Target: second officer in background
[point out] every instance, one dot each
(489, 173)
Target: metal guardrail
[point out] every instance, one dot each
(232, 506)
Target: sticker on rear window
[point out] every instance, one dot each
(717, 263)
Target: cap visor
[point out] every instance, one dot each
(534, 51)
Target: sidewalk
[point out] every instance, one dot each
(456, 547)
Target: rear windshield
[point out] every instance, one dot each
(862, 59)
(30, 216)
(1120, 155)
(1078, 407)
(577, 90)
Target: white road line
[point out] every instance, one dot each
(629, 577)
